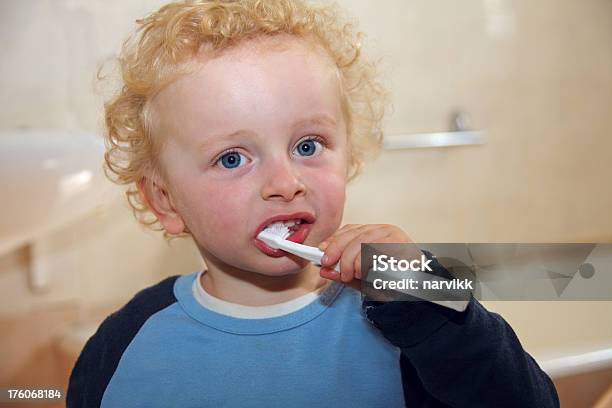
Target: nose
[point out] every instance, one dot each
(281, 181)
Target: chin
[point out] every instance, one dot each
(286, 267)
(281, 273)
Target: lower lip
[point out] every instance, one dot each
(297, 236)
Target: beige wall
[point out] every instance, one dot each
(535, 75)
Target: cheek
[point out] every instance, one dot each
(336, 193)
(216, 207)
(330, 187)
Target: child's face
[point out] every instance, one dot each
(253, 135)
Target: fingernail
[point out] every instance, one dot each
(324, 259)
(329, 273)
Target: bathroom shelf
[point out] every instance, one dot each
(460, 134)
(437, 139)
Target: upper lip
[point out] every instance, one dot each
(306, 216)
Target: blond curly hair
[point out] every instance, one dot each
(164, 42)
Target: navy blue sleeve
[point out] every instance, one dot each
(460, 359)
(100, 356)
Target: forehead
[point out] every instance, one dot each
(255, 84)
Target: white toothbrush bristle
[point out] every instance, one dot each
(278, 229)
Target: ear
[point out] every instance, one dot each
(158, 200)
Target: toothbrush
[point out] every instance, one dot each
(274, 236)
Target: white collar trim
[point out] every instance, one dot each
(251, 312)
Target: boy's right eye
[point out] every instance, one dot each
(232, 160)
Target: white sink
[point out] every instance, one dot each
(48, 179)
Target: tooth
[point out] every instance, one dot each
(288, 223)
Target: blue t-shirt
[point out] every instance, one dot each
(323, 355)
(164, 349)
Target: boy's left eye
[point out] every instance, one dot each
(308, 147)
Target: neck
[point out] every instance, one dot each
(254, 289)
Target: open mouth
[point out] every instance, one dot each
(298, 226)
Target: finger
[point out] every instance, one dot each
(357, 266)
(337, 245)
(330, 273)
(352, 253)
(347, 227)
(357, 263)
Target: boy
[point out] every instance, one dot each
(235, 115)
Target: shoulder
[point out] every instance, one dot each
(102, 352)
(125, 322)
(145, 303)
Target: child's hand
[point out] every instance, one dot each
(345, 246)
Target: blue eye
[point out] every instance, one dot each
(308, 147)
(232, 160)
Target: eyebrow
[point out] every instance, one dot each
(321, 119)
